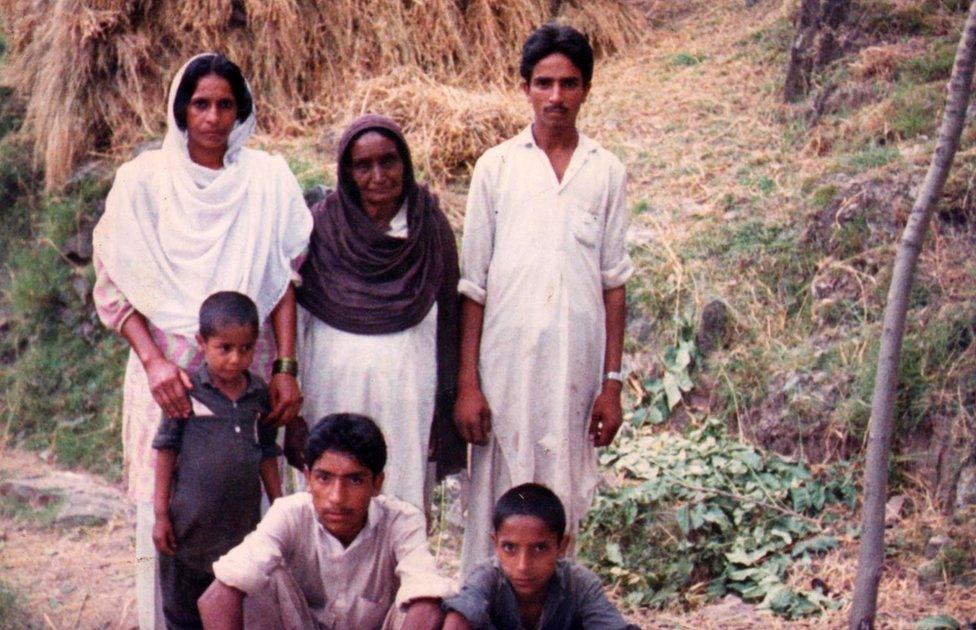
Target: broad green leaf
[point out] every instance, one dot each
(937, 622)
(684, 522)
(817, 544)
(672, 390)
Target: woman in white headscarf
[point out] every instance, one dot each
(201, 214)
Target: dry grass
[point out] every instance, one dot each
(94, 72)
(448, 127)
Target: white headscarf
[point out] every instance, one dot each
(175, 232)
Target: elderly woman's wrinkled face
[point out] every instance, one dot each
(377, 170)
(210, 115)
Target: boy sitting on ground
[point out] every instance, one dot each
(208, 494)
(528, 584)
(337, 556)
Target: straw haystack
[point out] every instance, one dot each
(93, 73)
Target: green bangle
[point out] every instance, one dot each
(285, 365)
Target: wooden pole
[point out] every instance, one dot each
(871, 556)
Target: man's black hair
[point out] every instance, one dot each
(227, 308)
(350, 434)
(553, 38)
(531, 499)
(223, 68)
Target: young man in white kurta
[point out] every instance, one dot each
(540, 255)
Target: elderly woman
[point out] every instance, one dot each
(378, 314)
(202, 214)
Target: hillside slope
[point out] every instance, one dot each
(787, 215)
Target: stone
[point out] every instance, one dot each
(893, 509)
(78, 247)
(930, 573)
(713, 328)
(85, 501)
(81, 510)
(316, 194)
(26, 491)
(935, 545)
(966, 487)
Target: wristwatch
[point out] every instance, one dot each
(613, 376)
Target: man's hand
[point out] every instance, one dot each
(607, 415)
(168, 384)
(296, 438)
(424, 614)
(286, 399)
(163, 536)
(472, 416)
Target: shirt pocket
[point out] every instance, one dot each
(586, 225)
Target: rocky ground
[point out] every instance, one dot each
(66, 545)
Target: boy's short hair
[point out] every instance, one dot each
(531, 499)
(227, 308)
(554, 38)
(351, 434)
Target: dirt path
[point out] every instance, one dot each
(64, 575)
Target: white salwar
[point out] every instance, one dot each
(538, 254)
(173, 233)
(391, 378)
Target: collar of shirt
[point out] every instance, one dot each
(585, 148)
(203, 378)
(585, 144)
(334, 548)
(555, 594)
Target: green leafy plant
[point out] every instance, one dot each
(703, 508)
(662, 395)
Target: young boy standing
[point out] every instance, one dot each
(528, 585)
(208, 495)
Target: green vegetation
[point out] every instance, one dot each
(62, 370)
(309, 174)
(927, 349)
(12, 613)
(704, 509)
(916, 110)
(41, 516)
(871, 156)
(686, 59)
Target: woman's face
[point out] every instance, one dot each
(377, 170)
(210, 115)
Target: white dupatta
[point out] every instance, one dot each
(175, 232)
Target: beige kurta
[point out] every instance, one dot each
(388, 564)
(538, 253)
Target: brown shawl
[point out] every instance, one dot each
(358, 279)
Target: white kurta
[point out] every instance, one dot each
(391, 378)
(538, 253)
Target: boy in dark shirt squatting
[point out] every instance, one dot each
(208, 494)
(528, 585)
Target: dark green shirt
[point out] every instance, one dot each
(216, 491)
(575, 601)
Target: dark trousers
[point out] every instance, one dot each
(181, 587)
